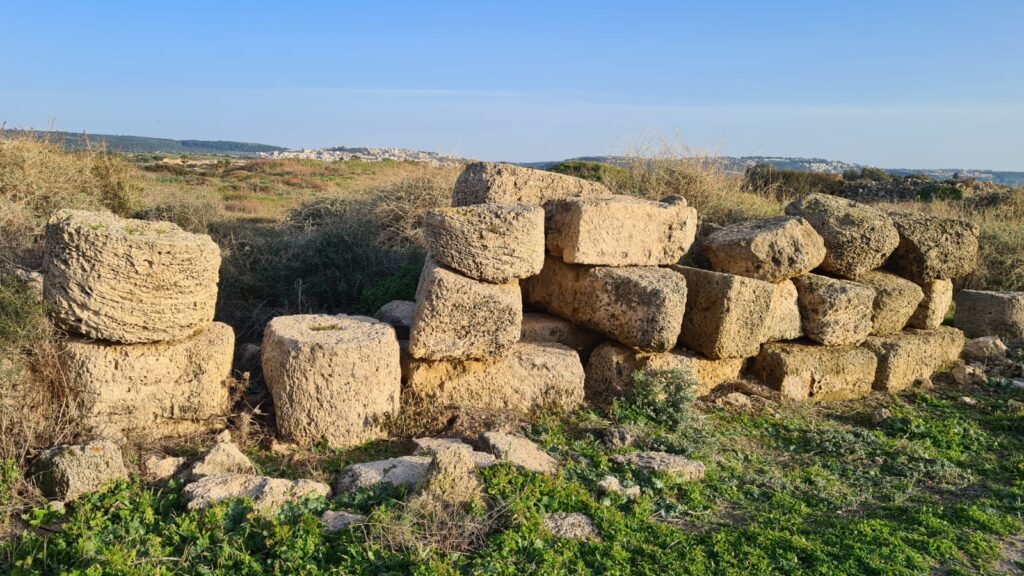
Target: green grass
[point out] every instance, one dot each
(790, 490)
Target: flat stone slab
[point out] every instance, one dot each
(858, 237)
(663, 462)
(990, 313)
(433, 445)
(494, 243)
(772, 250)
(333, 378)
(128, 281)
(493, 183)
(938, 296)
(933, 248)
(620, 230)
(835, 312)
(725, 313)
(267, 494)
(335, 521)
(612, 366)
(223, 458)
(458, 317)
(519, 451)
(571, 525)
(914, 355)
(640, 306)
(783, 321)
(896, 300)
(541, 328)
(68, 472)
(805, 372)
(403, 471)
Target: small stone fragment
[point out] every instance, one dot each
(985, 349)
(335, 521)
(672, 464)
(571, 525)
(880, 415)
(67, 472)
(968, 375)
(433, 445)
(158, 469)
(616, 437)
(611, 485)
(398, 314)
(735, 400)
(451, 480)
(968, 401)
(267, 494)
(223, 458)
(407, 471)
(519, 451)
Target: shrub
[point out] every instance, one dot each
(768, 180)
(660, 398)
(607, 174)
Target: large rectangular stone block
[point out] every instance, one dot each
(543, 328)
(914, 355)
(725, 314)
(638, 306)
(491, 183)
(933, 248)
(896, 300)
(490, 242)
(989, 313)
(620, 230)
(772, 250)
(783, 322)
(835, 312)
(611, 368)
(806, 372)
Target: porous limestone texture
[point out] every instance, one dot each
(333, 378)
(67, 472)
(151, 391)
(433, 445)
(529, 376)
(403, 471)
(225, 457)
(835, 312)
(907, 357)
(783, 322)
(933, 248)
(664, 462)
(543, 328)
(612, 366)
(806, 372)
(858, 237)
(570, 525)
(399, 314)
(519, 451)
(989, 313)
(725, 313)
(267, 494)
(493, 183)
(640, 306)
(938, 296)
(620, 230)
(128, 281)
(772, 250)
(458, 317)
(450, 481)
(334, 521)
(896, 300)
(494, 243)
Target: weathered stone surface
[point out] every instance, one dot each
(611, 368)
(32, 279)
(914, 355)
(984, 349)
(458, 317)
(157, 469)
(835, 312)
(494, 243)
(896, 300)
(519, 451)
(640, 306)
(451, 480)
(128, 281)
(968, 375)
(433, 445)
(335, 521)
(783, 322)
(267, 494)
(571, 525)
(938, 296)
(491, 183)
(223, 458)
(332, 378)
(612, 485)
(988, 313)
(529, 376)
(544, 328)
(772, 250)
(620, 230)
(858, 238)
(398, 314)
(407, 471)
(151, 391)
(725, 314)
(817, 373)
(67, 472)
(664, 462)
(933, 248)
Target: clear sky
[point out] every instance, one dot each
(892, 84)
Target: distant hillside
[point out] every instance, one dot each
(145, 145)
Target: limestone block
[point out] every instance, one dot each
(67, 472)
(858, 237)
(332, 378)
(783, 322)
(896, 300)
(571, 525)
(907, 357)
(835, 312)
(806, 372)
(772, 250)
(458, 317)
(399, 314)
(725, 314)
(544, 328)
(933, 248)
(128, 281)
(492, 183)
(989, 313)
(151, 391)
(640, 306)
(267, 494)
(620, 230)
(938, 296)
(494, 243)
(529, 376)
(612, 366)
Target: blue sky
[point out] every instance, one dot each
(893, 84)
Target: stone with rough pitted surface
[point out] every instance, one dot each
(458, 317)
(665, 463)
(907, 357)
(403, 471)
(783, 322)
(333, 521)
(67, 472)
(620, 230)
(528, 377)
(399, 314)
(492, 183)
(640, 306)
(773, 250)
(611, 368)
(333, 378)
(933, 248)
(989, 313)
(725, 313)
(519, 451)
(544, 328)
(835, 312)
(938, 296)
(128, 281)
(896, 300)
(154, 390)
(432, 445)
(267, 494)
(494, 243)
(857, 237)
(806, 372)
(571, 525)
(225, 457)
